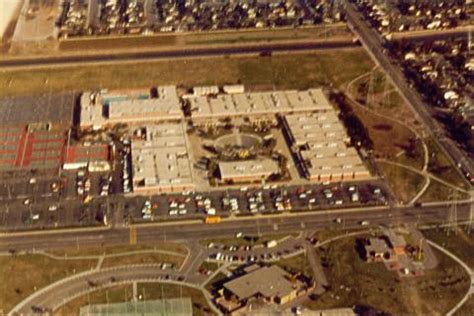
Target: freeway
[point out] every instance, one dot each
(64, 60)
(256, 225)
(373, 42)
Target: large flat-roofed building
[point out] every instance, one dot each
(7, 14)
(107, 108)
(248, 170)
(269, 282)
(161, 161)
(257, 103)
(95, 157)
(320, 143)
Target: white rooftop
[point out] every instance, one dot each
(161, 159)
(258, 103)
(7, 10)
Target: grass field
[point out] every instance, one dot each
(21, 275)
(296, 264)
(289, 71)
(115, 294)
(439, 192)
(354, 282)
(97, 251)
(148, 291)
(153, 291)
(317, 32)
(404, 183)
(146, 258)
(389, 137)
(460, 243)
(467, 308)
(203, 38)
(440, 166)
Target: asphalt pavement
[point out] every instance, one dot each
(253, 225)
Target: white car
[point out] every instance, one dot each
(211, 211)
(53, 208)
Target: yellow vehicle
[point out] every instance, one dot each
(87, 199)
(212, 220)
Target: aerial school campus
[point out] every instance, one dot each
(241, 157)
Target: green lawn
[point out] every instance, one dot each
(354, 282)
(281, 71)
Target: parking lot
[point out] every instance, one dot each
(248, 201)
(47, 202)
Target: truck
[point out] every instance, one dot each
(212, 220)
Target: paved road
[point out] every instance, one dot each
(373, 42)
(174, 53)
(188, 52)
(194, 230)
